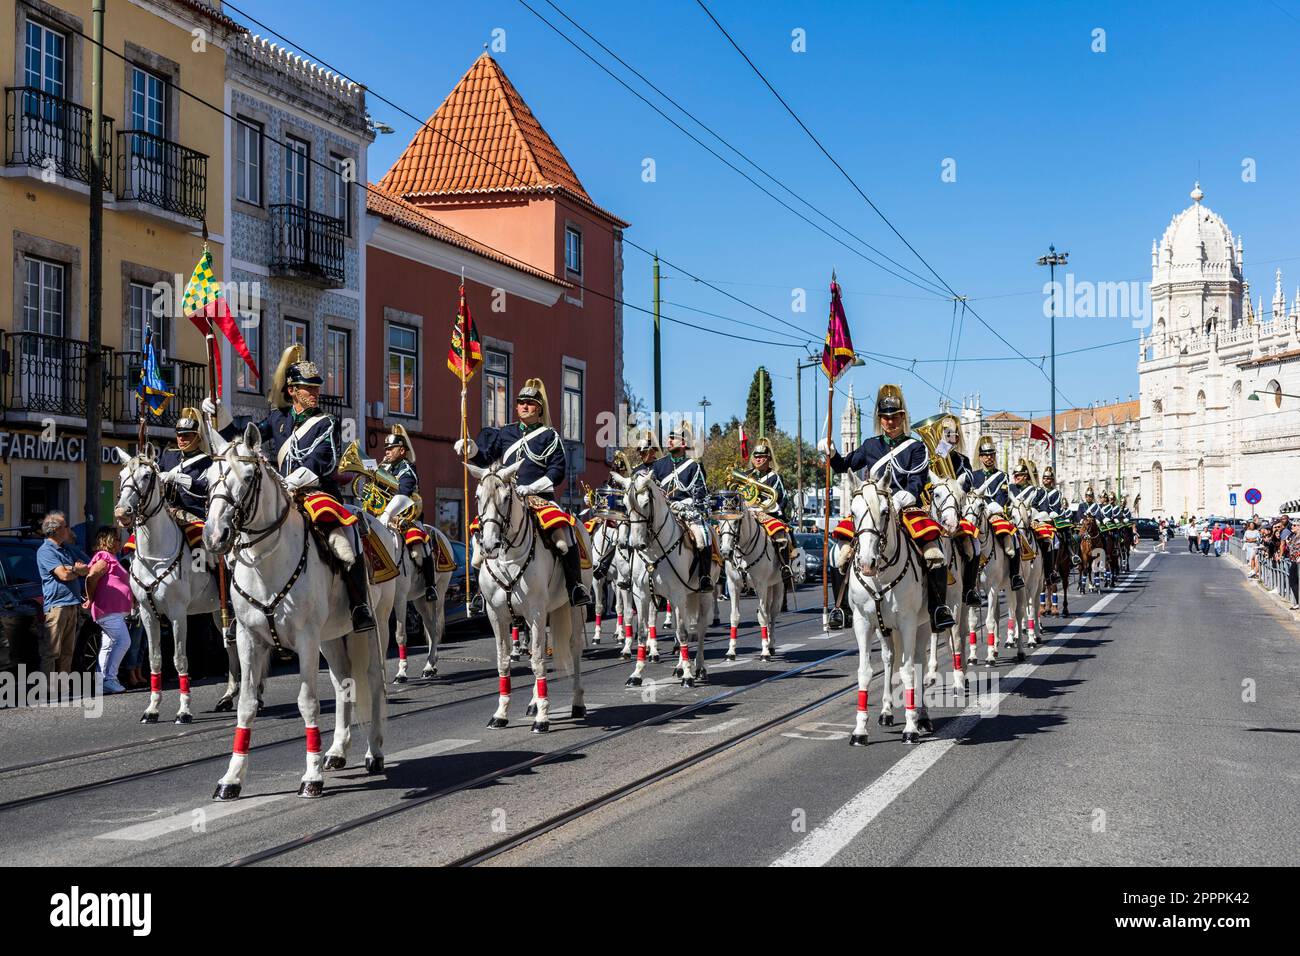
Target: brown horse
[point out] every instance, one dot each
(1058, 564)
(1091, 550)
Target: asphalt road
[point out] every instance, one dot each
(1156, 726)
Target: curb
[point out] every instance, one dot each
(1283, 604)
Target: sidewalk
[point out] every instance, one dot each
(1282, 601)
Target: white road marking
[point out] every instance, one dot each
(428, 750)
(188, 819)
(821, 845)
(710, 729)
(787, 648)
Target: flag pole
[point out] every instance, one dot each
(209, 341)
(826, 525)
(464, 434)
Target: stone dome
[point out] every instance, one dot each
(1197, 246)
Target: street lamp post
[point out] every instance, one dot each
(704, 404)
(1052, 260)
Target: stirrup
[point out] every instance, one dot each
(476, 604)
(706, 583)
(431, 594)
(941, 618)
(362, 618)
(1017, 583)
(579, 597)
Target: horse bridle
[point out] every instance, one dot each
(643, 550)
(143, 495)
(744, 549)
(903, 551)
(141, 519)
(506, 541)
(526, 530)
(248, 505)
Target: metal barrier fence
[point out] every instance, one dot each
(1272, 574)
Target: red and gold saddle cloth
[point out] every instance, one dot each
(193, 531)
(1001, 526)
(130, 543)
(323, 508)
(968, 529)
(416, 536)
(1045, 531)
(774, 526)
(919, 525)
(548, 515)
(843, 530)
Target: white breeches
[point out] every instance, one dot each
(341, 544)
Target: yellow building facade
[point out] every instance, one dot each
(163, 182)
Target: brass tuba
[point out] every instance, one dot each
(373, 487)
(755, 493)
(931, 432)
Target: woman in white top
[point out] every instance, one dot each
(1250, 538)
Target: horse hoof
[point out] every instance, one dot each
(624, 657)
(910, 736)
(226, 791)
(429, 672)
(184, 718)
(334, 762)
(399, 679)
(857, 740)
(926, 724)
(530, 710)
(374, 765)
(578, 712)
(730, 655)
(688, 681)
(716, 622)
(702, 677)
(633, 682)
(541, 726)
(767, 658)
(311, 788)
(514, 657)
(653, 658)
(226, 703)
(496, 723)
(149, 718)
(886, 720)
(677, 672)
(929, 681)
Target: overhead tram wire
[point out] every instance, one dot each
(929, 286)
(852, 182)
(370, 91)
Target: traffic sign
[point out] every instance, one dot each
(1232, 498)
(1253, 497)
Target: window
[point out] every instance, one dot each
(496, 388)
(141, 314)
(337, 342)
(403, 354)
(43, 370)
(248, 161)
(251, 326)
(295, 332)
(148, 102)
(44, 61)
(43, 300)
(573, 250)
(573, 404)
(341, 191)
(297, 156)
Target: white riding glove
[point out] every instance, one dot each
(538, 487)
(826, 447)
(466, 447)
(395, 504)
(903, 499)
(300, 478)
(175, 477)
(218, 411)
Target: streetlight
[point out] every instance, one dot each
(704, 404)
(1052, 260)
(1254, 396)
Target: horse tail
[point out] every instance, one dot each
(360, 647)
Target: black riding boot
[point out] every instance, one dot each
(936, 591)
(430, 577)
(970, 578)
(703, 565)
(601, 570)
(578, 596)
(354, 579)
(1017, 582)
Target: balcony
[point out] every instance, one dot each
(46, 375)
(164, 175)
(307, 245)
(188, 380)
(49, 132)
(331, 404)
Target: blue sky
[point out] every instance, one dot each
(1052, 142)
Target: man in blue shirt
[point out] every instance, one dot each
(62, 566)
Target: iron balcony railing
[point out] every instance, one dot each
(331, 404)
(47, 131)
(188, 381)
(307, 245)
(46, 374)
(161, 173)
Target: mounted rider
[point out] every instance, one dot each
(1024, 489)
(1051, 501)
(402, 513)
(647, 451)
(183, 470)
(763, 470)
(1088, 507)
(533, 441)
(991, 482)
(305, 442)
(904, 463)
(950, 429)
(685, 483)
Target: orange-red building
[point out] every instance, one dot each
(483, 191)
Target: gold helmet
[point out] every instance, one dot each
(399, 437)
(535, 391)
(189, 422)
(683, 431)
(951, 423)
(986, 446)
(293, 369)
(889, 401)
(646, 441)
(1022, 468)
(1049, 472)
(1090, 493)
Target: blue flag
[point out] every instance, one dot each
(152, 390)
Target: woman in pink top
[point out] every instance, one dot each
(108, 597)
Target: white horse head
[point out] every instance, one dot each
(946, 504)
(644, 498)
(872, 511)
(976, 509)
(499, 504)
(139, 482)
(234, 495)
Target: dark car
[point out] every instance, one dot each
(454, 607)
(1148, 528)
(21, 615)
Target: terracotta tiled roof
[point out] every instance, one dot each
(1073, 419)
(485, 139)
(212, 13)
(398, 211)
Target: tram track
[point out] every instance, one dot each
(423, 800)
(227, 728)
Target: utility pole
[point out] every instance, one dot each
(798, 447)
(94, 317)
(659, 395)
(704, 404)
(762, 401)
(1052, 260)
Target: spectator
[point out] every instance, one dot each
(1216, 539)
(133, 661)
(1291, 549)
(1203, 531)
(1164, 535)
(1193, 541)
(108, 598)
(1251, 541)
(62, 565)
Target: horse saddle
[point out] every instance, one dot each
(919, 525)
(1001, 526)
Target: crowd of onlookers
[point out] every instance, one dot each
(1271, 548)
(1206, 536)
(74, 584)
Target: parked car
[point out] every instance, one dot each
(454, 608)
(808, 557)
(1148, 528)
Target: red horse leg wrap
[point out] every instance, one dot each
(242, 735)
(401, 652)
(652, 632)
(862, 700)
(503, 684)
(909, 699)
(627, 631)
(598, 620)
(972, 638)
(620, 620)
(313, 740)
(733, 633)
(993, 639)
(764, 631)
(155, 683)
(956, 662)
(541, 688)
(686, 653)
(185, 683)
(640, 653)
(514, 634)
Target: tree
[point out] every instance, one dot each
(752, 407)
(636, 411)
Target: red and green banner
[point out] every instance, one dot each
(837, 354)
(204, 305)
(466, 354)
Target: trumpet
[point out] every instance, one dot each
(754, 492)
(374, 487)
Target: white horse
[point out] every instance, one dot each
(947, 498)
(608, 543)
(1022, 605)
(660, 538)
(168, 580)
(887, 594)
(285, 594)
(996, 568)
(748, 552)
(410, 590)
(520, 577)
